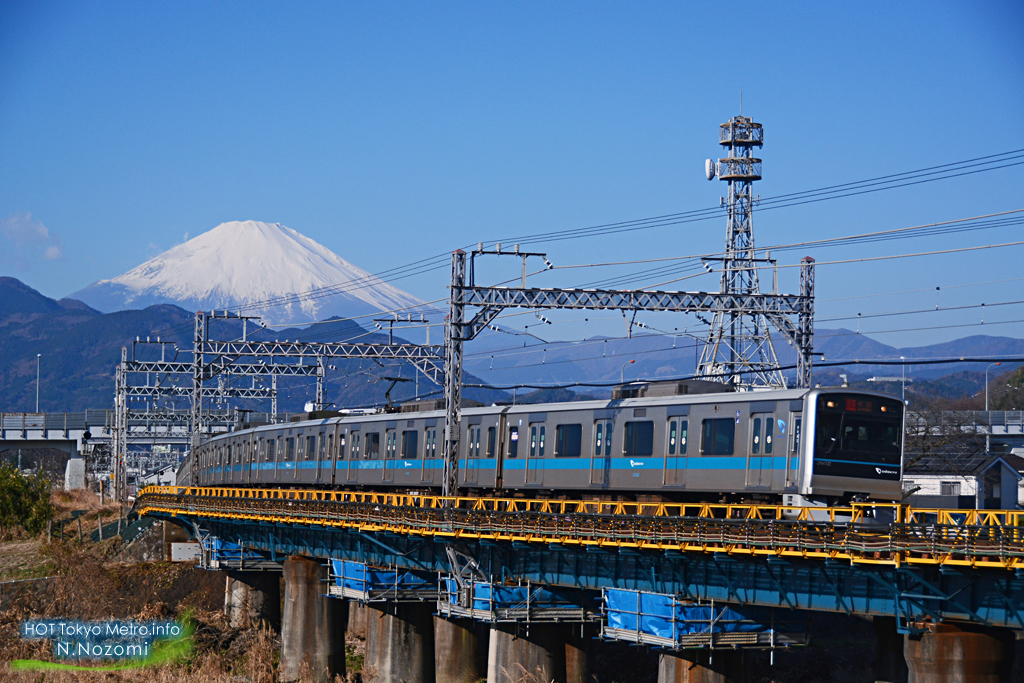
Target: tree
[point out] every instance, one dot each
(24, 501)
(950, 437)
(1006, 392)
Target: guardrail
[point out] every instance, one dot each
(887, 534)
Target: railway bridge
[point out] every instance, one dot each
(462, 588)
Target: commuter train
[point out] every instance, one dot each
(669, 441)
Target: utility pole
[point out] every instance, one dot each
(988, 429)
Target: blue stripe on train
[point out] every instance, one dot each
(581, 463)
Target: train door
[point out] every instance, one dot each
(793, 456)
(601, 460)
(390, 454)
(273, 445)
(675, 446)
(338, 453)
(332, 454)
(291, 456)
(321, 452)
(499, 453)
(535, 459)
(472, 450)
(429, 450)
(250, 457)
(410, 449)
(759, 457)
(355, 440)
(310, 464)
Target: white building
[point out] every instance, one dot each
(982, 482)
(165, 476)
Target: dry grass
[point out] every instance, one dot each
(89, 587)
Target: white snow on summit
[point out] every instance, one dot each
(249, 262)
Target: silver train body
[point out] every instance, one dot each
(799, 446)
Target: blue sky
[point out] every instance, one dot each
(393, 131)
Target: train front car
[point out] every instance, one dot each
(856, 446)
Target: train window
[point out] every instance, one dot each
(608, 439)
(540, 450)
(598, 432)
(289, 449)
(430, 446)
(513, 442)
(238, 453)
(271, 450)
(356, 443)
(330, 447)
(533, 441)
(568, 441)
(389, 443)
(718, 436)
(755, 447)
(492, 433)
(797, 429)
(341, 447)
(639, 439)
(323, 446)
(372, 446)
(409, 443)
(673, 434)
(683, 426)
(769, 433)
(310, 447)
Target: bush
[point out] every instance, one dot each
(24, 501)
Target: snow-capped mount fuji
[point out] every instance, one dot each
(247, 264)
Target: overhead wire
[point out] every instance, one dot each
(891, 181)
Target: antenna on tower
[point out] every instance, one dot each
(739, 348)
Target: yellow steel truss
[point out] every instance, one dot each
(970, 538)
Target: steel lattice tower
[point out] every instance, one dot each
(739, 347)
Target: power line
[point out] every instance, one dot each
(892, 181)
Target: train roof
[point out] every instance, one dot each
(596, 404)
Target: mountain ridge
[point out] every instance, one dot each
(81, 346)
(245, 264)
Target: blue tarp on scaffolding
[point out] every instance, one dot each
(488, 596)
(357, 576)
(663, 616)
(225, 551)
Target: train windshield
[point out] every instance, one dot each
(858, 436)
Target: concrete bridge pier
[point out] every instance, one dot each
(399, 643)
(948, 654)
(357, 619)
(460, 655)
(252, 597)
(890, 664)
(702, 666)
(529, 651)
(313, 626)
(580, 654)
